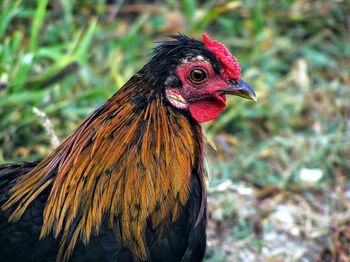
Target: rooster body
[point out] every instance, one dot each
(128, 184)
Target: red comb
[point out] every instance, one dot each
(228, 61)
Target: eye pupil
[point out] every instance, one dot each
(197, 75)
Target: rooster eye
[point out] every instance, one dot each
(197, 75)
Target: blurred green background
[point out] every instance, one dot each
(279, 185)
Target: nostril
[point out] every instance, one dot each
(233, 82)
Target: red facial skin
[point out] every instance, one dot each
(204, 100)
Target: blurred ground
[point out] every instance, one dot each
(279, 182)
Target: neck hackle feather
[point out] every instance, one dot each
(129, 163)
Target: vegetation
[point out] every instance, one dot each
(279, 186)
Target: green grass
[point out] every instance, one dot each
(67, 57)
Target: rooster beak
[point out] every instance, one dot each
(242, 89)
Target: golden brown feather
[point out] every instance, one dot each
(129, 174)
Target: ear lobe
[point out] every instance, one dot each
(174, 97)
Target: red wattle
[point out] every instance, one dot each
(207, 109)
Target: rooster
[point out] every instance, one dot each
(129, 183)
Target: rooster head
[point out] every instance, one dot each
(197, 76)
